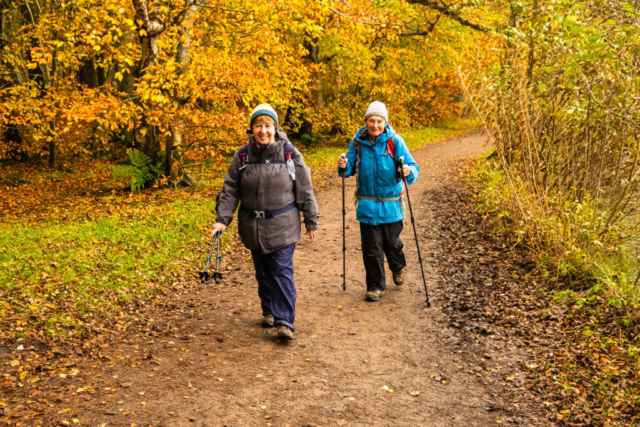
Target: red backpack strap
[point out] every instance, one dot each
(391, 147)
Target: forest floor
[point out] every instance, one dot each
(199, 357)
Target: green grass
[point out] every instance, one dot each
(57, 276)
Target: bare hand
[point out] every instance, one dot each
(342, 162)
(406, 171)
(218, 227)
(312, 234)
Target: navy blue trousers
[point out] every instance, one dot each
(274, 273)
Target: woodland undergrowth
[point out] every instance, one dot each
(593, 378)
(563, 183)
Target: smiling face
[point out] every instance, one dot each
(264, 130)
(375, 126)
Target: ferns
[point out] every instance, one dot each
(140, 169)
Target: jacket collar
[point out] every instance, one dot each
(270, 150)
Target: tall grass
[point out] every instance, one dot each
(563, 113)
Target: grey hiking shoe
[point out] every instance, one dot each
(398, 278)
(374, 295)
(267, 321)
(284, 333)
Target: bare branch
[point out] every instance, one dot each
(423, 32)
(453, 14)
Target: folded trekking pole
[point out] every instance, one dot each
(217, 276)
(344, 242)
(415, 234)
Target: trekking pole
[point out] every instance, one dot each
(217, 276)
(204, 275)
(415, 234)
(344, 241)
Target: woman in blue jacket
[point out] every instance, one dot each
(373, 158)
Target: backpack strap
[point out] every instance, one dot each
(288, 151)
(243, 153)
(391, 146)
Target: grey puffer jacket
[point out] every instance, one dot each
(268, 187)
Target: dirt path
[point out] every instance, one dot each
(205, 361)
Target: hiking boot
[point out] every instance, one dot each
(284, 333)
(374, 295)
(267, 321)
(398, 278)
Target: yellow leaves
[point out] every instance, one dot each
(14, 363)
(97, 48)
(143, 33)
(118, 76)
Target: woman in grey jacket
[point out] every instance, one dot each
(269, 179)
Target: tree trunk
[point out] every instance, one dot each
(174, 148)
(53, 150)
(150, 28)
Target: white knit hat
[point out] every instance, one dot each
(377, 108)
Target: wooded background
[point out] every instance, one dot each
(92, 78)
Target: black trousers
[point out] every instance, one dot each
(378, 241)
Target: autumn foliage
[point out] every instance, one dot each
(91, 78)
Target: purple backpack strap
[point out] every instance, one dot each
(243, 152)
(288, 151)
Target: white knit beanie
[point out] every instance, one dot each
(377, 108)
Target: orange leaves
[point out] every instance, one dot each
(316, 62)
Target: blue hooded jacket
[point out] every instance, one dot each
(377, 175)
